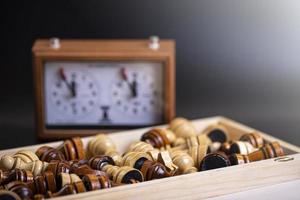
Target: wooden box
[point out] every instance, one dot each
(201, 184)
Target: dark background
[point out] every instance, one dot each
(235, 58)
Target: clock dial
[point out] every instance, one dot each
(135, 93)
(73, 93)
(103, 93)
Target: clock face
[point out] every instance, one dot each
(103, 93)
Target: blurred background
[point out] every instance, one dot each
(239, 59)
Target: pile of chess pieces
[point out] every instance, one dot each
(160, 153)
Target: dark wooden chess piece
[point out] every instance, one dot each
(159, 137)
(213, 161)
(43, 183)
(81, 167)
(217, 133)
(57, 167)
(94, 182)
(46, 153)
(21, 189)
(73, 149)
(7, 176)
(124, 174)
(253, 138)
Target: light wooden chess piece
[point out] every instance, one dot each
(36, 167)
(198, 153)
(65, 178)
(184, 161)
(183, 128)
(103, 145)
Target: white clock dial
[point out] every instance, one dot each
(73, 93)
(135, 93)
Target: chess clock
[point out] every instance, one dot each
(86, 86)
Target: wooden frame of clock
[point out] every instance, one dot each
(45, 50)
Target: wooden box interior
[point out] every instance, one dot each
(202, 184)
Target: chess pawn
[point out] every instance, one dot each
(254, 138)
(124, 174)
(198, 153)
(183, 128)
(197, 140)
(57, 167)
(270, 150)
(46, 153)
(36, 167)
(140, 146)
(241, 147)
(73, 149)
(213, 161)
(43, 183)
(158, 137)
(237, 159)
(184, 162)
(103, 145)
(94, 182)
(217, 133)
(21, 189)
(15, 175)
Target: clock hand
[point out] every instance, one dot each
(132, 86)
(71, 86)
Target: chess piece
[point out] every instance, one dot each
(65, 178)
(74, 188)
(57, 167)
(43, 183)
(103, 145)
(124, 174)
(21, 157)
(81, 167)
(21, 189)
(135, 159)
(66, 190)
(184, 162)
(198, 153)
(15, 175)
(153, 170)
(36, 167)
(73, 149)
(253, 138)
(26, 156)
(94, 182)
(237, 159)
(270, 150)
(46, 153)
(213, 161)
(217, 133)
(140, 146)
(241, 147)
(183, 128)
(9, 195)
(165, 159)
(225, 147)
(158, 137)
